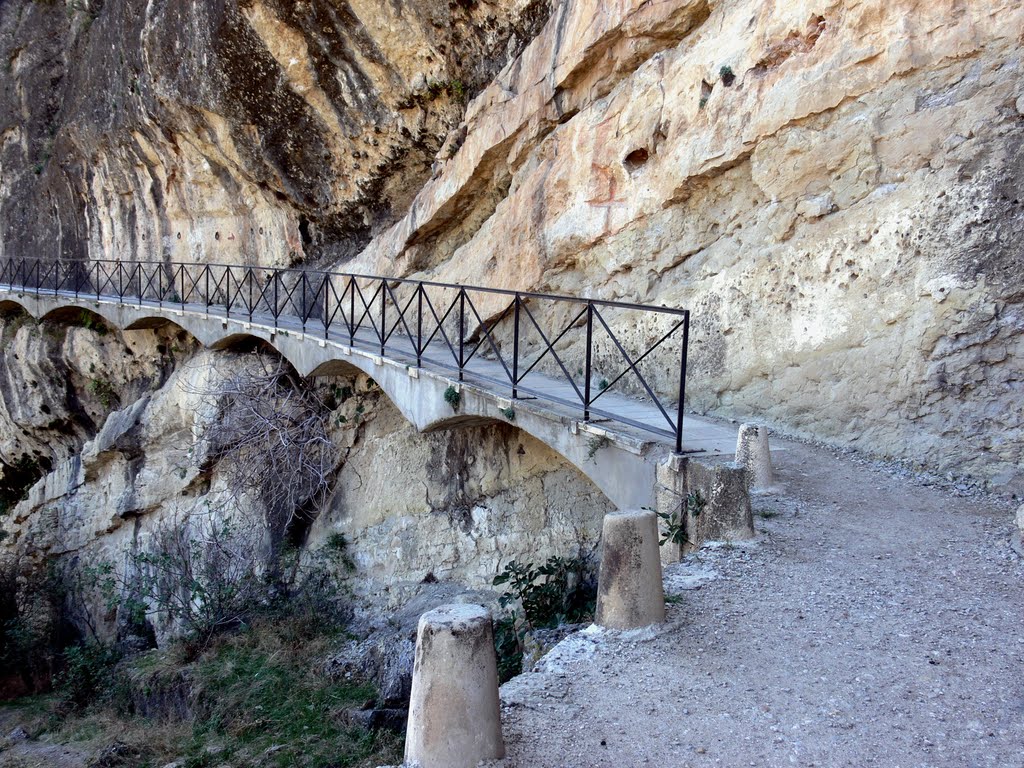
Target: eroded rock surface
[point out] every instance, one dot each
(269, 132)
(832, 188)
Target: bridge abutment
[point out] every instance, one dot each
(704, 501)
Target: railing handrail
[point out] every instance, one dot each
(145, 282)
(360, 276)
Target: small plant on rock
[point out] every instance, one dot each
(727, 75)
(675, 521)
(695, 503)
(452, 397)
(104, 392)
(509, 413)
(91, 323)
(595, 444)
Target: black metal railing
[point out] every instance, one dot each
(519, 341)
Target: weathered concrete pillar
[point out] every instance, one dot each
(753, 455)
(454, 714)
(629, 590)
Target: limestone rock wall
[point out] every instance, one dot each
(452, 506)
(59, 381)
(262, 131)
(833, 188)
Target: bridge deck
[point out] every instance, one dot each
(557, 395)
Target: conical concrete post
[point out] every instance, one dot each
(753, 455)
(454, 713)
(629, 589)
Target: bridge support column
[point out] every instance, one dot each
(454, 713)
(707, 501)
(629, 589)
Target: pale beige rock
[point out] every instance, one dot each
(454, 711)
(863, 152)
(457, 504)
(841, 220)
(629, 592)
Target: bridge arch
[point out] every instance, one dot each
(11, 307)
(79, 315)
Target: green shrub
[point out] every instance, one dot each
(562, 590)
(90, 322)
(675, 521)
(104, 391)
(88, 674)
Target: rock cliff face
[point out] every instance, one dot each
(230, 131)
(833, 187)
(452, 506)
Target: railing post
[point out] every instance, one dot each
(325, 277)
(206, 288)
(138, 269)
(419, 326)
(352, 311)
(462, 330)
(515, 348)
(305, 290)
(38, 279)
(586, 380)
(682, 382)
(97, 281)
(383, 312)
(273, 277)
(183, 286)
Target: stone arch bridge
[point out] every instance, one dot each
(447, 356)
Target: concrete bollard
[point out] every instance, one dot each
(753, 455)
(629, 590)
(454, 713)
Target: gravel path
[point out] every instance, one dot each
(873, 622)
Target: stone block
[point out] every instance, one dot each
(629, 591)
(754, 455)
(454, 712)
